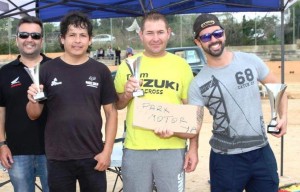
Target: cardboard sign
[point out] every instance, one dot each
(176, 117)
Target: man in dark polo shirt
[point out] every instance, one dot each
(22, 149)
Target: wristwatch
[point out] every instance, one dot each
(2, 143)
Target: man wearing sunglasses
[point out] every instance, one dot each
(241, 157)
(22, 149)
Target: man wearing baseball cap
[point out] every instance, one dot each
(241, 157)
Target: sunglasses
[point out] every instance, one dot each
(25, 35)
(207, 37)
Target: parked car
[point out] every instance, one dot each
(258, 34)
(103, 38)
(193, 55)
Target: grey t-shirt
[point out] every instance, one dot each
(232, 97)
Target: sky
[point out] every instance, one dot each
(251, 15)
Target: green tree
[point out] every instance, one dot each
(289, 27)
(297, 19)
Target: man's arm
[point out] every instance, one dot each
(2, 123)
(191, 157)
(33, 108)
(111, 124)
(123, 100)
(5, 153)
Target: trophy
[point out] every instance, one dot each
(34, 74)
(134, 67)
(275, 92)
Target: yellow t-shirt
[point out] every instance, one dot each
(165, 79)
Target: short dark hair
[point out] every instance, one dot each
(78, 19)
(153, 16)
(30, 19)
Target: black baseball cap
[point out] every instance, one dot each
(203, 21)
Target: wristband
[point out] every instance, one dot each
(2, 143)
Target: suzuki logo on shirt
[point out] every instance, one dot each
(55, 82)
(15, 82)
(91, 82)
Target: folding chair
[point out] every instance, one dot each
(116, 162)
(4, 182)
(116, 159)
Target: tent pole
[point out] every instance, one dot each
(282, 80)
(44, 39)
(110, 21)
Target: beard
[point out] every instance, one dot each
(214, 53)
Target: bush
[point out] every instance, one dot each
(5, 49)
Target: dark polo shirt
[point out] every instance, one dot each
(23, 136)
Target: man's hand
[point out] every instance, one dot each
(163, 132)
(191, 161)
(282, 126)
(32, 91)
(132, 85)
(6, 157)
(103, 161)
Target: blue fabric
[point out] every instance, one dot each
(255, 171)
(24, 171)
(64, 174)
(54, 10)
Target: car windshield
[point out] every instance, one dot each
(190, 56)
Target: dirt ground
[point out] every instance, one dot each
(286, 150)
